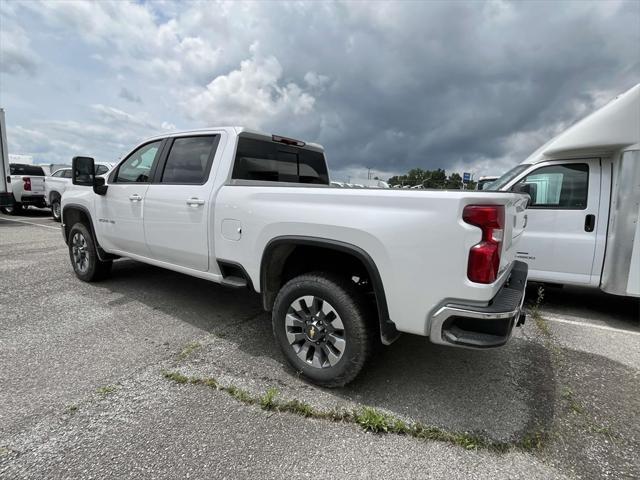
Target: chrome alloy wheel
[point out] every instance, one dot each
(315, 331)
(79, 249)
(56, 209)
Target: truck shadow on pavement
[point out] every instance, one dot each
(502, 394)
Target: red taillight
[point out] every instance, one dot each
(27, 183)
(484, 257)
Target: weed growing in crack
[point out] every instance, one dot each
(368, 418)
(268, 400)
(106, 390)
(188, 350)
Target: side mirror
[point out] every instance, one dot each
(526, 188)
(83, 171)
(522, 188)
(99, 186)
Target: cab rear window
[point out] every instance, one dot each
(17, 169)
(264, 160)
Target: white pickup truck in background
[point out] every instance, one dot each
(26, 185)
(56, 183)
(340, 269)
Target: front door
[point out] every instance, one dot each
(562, 218)
(178, 204)
(119, 212)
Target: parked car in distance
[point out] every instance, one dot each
(26, 185)
(484, 182)
(584, 214)
(341, 269)
(57, 182)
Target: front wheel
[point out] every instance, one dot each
(84, 257)
(320, 322)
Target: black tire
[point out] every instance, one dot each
(360, 330)
(94, 269)
(15, 208)
(55, 209)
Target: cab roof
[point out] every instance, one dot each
(232, 129)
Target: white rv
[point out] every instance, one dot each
(584, 214)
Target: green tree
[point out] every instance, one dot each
(435, 179)
(454, 182)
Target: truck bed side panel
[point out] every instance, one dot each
(417, 240)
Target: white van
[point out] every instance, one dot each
(584, 214)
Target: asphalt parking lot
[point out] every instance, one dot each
(115, 379)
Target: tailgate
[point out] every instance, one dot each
(37, 185)
(515, 220)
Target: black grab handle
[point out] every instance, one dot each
(589, 223)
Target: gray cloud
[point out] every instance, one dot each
(129, 95)
(474, 86)
(16, 55)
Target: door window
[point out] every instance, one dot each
(59, 173)
(137, 167)
(563, 187)
(189, 160)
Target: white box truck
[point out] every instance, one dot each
(584, 214)
(6, 198)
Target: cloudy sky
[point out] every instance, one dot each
(467, 86)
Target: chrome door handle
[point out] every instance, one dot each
(194, 202)
(135, 197)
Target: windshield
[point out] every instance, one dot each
(506, 178)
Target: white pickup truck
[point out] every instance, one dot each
(56, 183)
(340, 269)
(26, 185)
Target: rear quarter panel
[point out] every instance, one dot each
(416, 238)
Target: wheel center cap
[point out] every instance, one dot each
(314, 332)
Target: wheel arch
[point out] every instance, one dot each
(74, 213)
(280, 249)
(53, 195)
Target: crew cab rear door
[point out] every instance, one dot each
(178, 203)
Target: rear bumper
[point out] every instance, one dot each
(32, 199)
(483, 327)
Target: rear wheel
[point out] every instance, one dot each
(84, 257)
(14, 209)
(55, 209)
(320, 322)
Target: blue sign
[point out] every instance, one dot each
(466, 177)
